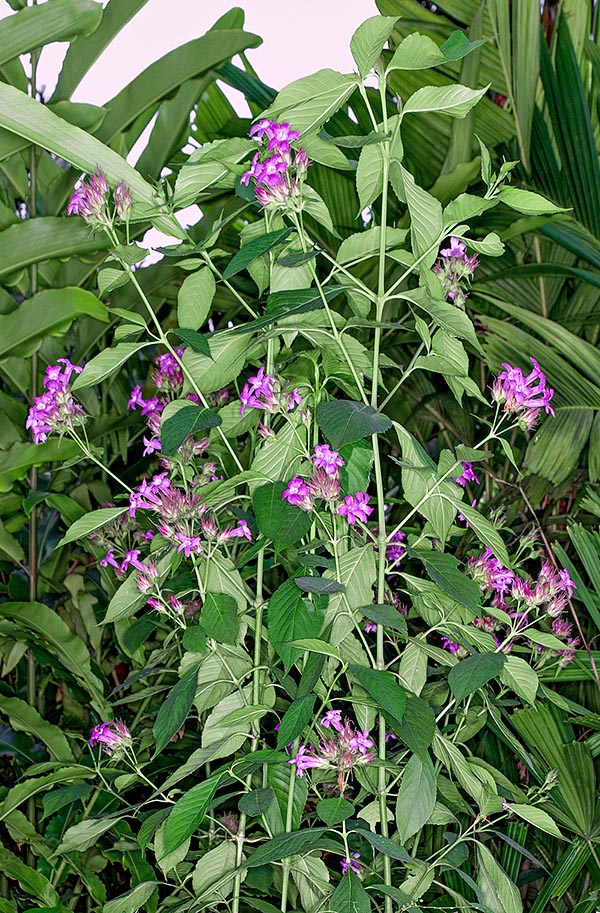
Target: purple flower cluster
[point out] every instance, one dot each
(324, 483)
(524, 396)
(55, 411)
(114, 736)
(490, 573)
(343, 748)
(277, 176)
(263, 391)
(454, 268)
(91, 201)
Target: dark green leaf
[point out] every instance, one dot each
(254, 249)
(473, 673)
(387, 616)
(174, 712)
(182, 419)
(288, 304)
(418, 725)
(188, 812)
(256, 801)
(334, 811)
(383, 687)
(196, 341)
(276, 518)
(219, 618)
(296, 717)
(319, 585)
(291, 844)
(344, 421)
(290, 618)
(385, 845)
(443, 569)
(350, 896)
(458, 45)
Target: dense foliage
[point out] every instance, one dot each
(300, 575)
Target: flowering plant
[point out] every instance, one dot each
(313, 611)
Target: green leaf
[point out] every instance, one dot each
(106, 363)
(498, 892)
(334, 811)
(28, 880)
(350, 896)
(458, 45)
(126, 601)
(133, 900)
(295, 718)
(369, 175)
(538, 817)
(208, 167)
(443, 569)
(195, 341)
(254, 249)
(291, 844)
(173, 713)
(518, 675)
(383, 688)
(309, 102)
(454, 101)
(276, 518)
(219, 618)
(81, 55)
(525, 201)
(289, 303)
(314, 645)
(256, 801)
(80, 837)
(188, 812)
(427, 223)
(227, 358)
(416, 796)
(35, 26)
(35, 621)
(484, 530)
(416, 52)
(26, 789)
(385, 845)
(213, 876)
(418, 725)
(48, 313)
(25, 718)
(89, 523)
(319, 585)
(180, 420)
(291, 617)
(344, 421)
(367, 41)
(46, 238)
(195, 297)
(472, 673)
(387, 616)
(9, 545)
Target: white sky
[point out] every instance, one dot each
(299, 37)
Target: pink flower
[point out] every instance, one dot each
(298, 494)
(327, 459)
(306, 761)
(188, 544)
(467, 475)
(55, 411)
(114, 736)
(333, 718)
(525, 397)
(355, 507)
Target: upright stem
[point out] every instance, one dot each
(33, 476)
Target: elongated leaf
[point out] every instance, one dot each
(386, 615)
(538, 817)
(443, 570)
(163, 76)
(256, 801)
(195, 298)
(367, 42)
(25, 718)
(454, 101)
(181, 419)
(173, 713)
(133, 900)
(254, 249)
(426, 219)
(291, 844)
(296, 717)
(92, 521)
(188, 812)
(82, 54)
(47, 313)
(383, 688)
(55, 20)
(24, 790)
(525, 201)
(350, 896)
(106, 363)
(309, 102)
(416, 796)
(418, 726)
(499, 893)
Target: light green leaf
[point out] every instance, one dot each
(454, 101)
(532, 204)
(213, 876)
(538, 817)
(28, 880)
(369, 175)
(9, 545)
(55, 20)
(80, 837)
(498, 892)
(228, 356)
(133, 900)
(416, 52)
(416, 796)
(195, 298)
(106, 363)
(309, 102)
(89, 523)
(208, 167)
(367, 41)
(518, 675)
(427, 223)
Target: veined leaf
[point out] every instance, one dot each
(106, 363)
(454, 101)
(346, 421)
(472, 673)
(309, 102)
(367, 41)
(55, 20)
(89, 523)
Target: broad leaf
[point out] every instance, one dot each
(309, 102)
(383, 688)
(290, 618)
(295, 718)
(346, 421)
(276, 518)
(254, 249)
(416, 796)
(194, 298)
(350, 896)
(188, 812)
(89, 523)
(367, 42)
(180, 420)
(106, 363)
(219, 617)
(472, 673)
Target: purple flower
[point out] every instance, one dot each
(467, 475)
(122, 201)
(327, 459)
(275, 175)
(241, 530)
(114, 736)
(188, 544)
(450, 645)
(55, 411)
(90, 200)
(361, 741)
(351, 862)
(168, 376)
(456, 250)
(370, 627)
(136, 399)
(333, 718)
(566, 584)
(109, 559)
(132, 558)
(525, 397)
(395, 549)
(298, 494)
(304, 760)
(488, 571)
(355, 507)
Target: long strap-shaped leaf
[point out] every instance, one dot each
(28, 118)
(56, 20)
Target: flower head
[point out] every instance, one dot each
(299, 494)
(114, 736)
(467, 475)
(355, 507)
(275, 174)
(327, 459)
(55, 411)
(350, 862)
(525, 397)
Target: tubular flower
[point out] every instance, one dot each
(276, 175)
(55, 411)
(355, 507)
(114, 736)
(467, 475)
(525, 397)
(488, 571)
(327, 459)
(351, 862)
(342, 749)
(91, 201)
(453, 268)
(269, 393)
(298, 494)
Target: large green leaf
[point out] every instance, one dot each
(383, 688)
(309, 102)
(55, 20)
(473, 673)
(276, 518)
(454, 101)
(165, 75)
(291, 618)
(345, 421)
(25, 718)
(416, 796)
(367, 41)
(82, 53)
(46, 238)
